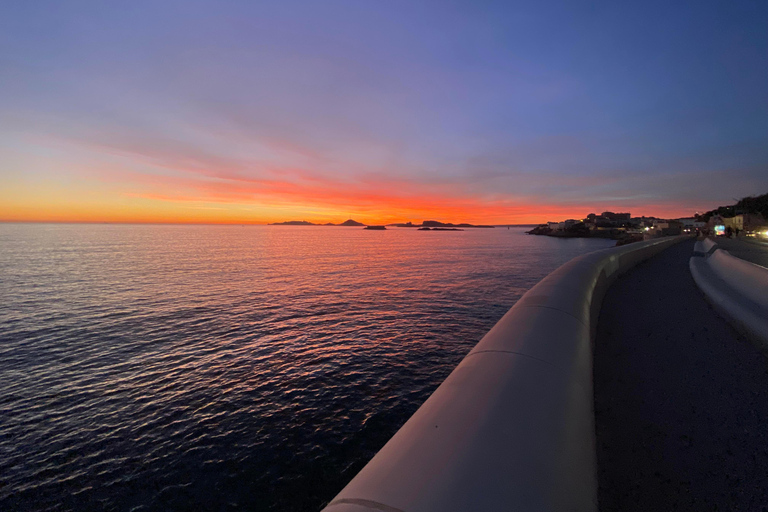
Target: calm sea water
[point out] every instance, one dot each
(229, 367)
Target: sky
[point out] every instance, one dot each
(382, 111)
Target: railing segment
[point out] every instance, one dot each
(737, 289)
(512, 427)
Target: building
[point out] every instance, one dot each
(661, 227)
(617, 217)
(610, 219)
(744, 222)
(691, 224)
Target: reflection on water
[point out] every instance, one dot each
(218, 367)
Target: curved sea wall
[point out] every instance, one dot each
(512, 427)
(747, 278)
(737, 289)
(704, 247)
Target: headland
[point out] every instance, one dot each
(748, 216)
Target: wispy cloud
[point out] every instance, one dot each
(507, 112)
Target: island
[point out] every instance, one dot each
(294, 223)
(427, 225)
(347, 223)
(437, 224)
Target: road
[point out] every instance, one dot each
(681, 399)
(746, 249)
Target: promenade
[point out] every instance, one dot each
(681, 399)
(750, 250)
(667, 405)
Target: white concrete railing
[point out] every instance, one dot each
(512, 427)
(738, 289)
(707, 245)
(704, 247)
(743, 276)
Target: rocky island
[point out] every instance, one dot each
(351, 222)
(427, 225)
(437, 225)
(294, 223)
(347, 223)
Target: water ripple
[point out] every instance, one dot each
(215, 368)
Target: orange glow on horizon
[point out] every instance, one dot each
(139, 182)
(224, 197)
(156, 210)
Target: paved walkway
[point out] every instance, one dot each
(681, 400)
(750, 250)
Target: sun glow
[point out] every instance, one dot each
(320, 203)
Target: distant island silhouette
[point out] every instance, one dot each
(427, 225)
(349, 222)
(294, 223)
(436, 225)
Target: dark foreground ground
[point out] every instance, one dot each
(681, 399)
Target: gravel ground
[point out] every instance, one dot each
(681, 399)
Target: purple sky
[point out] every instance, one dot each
(269, 110)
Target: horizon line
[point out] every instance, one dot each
(171, 223)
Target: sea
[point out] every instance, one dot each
(199, 367)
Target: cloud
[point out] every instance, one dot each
(222, 170)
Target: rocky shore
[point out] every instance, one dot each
(580, 230)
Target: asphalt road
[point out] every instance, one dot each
(681, 399)
(750, 250)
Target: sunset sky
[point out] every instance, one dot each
(492, 112)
